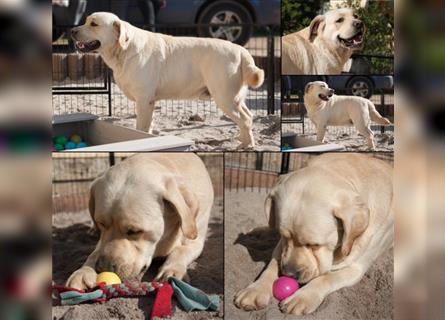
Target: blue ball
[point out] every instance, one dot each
(81, 145)
(70, 145)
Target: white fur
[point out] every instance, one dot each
(150, 66)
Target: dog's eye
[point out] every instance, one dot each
(133, 232)
(355, 16)
(100, 225)
(93, 24)
(340, 20)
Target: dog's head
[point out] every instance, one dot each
(341, 26)
(319, 90)
(316, 217)
(101, 31)
(138, 213)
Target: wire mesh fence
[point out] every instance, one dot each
(258, 172)
(295, 119)
(83, 83)
(74, 173)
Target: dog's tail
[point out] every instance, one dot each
(375, 115)
(252, 75)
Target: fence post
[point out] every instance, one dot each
(382, 103)
(259, 161)
(270, 72)
(285, 162)
(111, 159)
(110, 106)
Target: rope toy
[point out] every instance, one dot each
(190, 298)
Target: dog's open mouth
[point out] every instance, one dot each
(324, 97)
(87, 46)
(353, 42)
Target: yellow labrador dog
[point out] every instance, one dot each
(324, 108)
(335, 217)
(325, 46)
(150, 205)
(149, 66)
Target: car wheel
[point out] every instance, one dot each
(361, 87)
(226, 12)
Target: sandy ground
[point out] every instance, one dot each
(73, 240)
(345, 136)
(199, 121)
(248, 252)
(215, 133)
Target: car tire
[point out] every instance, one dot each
(226, 12)
(361, 87)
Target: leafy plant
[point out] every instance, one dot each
(298, 14)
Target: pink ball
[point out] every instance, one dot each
(284, 287)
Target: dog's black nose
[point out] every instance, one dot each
(358, 24)
(104, 265)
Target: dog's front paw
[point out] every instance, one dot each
(82, 279)
(175, 271)
(254, 297)
(301, 302)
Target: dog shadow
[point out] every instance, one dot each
(259, 242)
(71, 246)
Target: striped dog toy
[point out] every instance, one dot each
(189, 297)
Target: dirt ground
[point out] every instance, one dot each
(248, 252)
(74, 238)
(345, 136)
(199, 120)
(215, 133)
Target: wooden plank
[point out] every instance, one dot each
(318, 148)
(164, 143)
(73, 117)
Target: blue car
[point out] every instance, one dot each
(362, 86)
(240, 14)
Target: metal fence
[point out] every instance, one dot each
(82, 82)
(74, 173)
(258, 172)
(294, 116)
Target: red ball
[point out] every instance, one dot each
(284, 287)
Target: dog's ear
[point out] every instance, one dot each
(185, 204)
(122, 37)
(354, 215)
(307, 87)
(314, 28)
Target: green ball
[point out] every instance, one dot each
(58, 147)
(62, 140)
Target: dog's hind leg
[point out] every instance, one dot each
(144, 115)
(362, 126)
(236, 109)
(244, 122)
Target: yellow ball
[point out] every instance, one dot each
(108, 278)
(76, 138)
